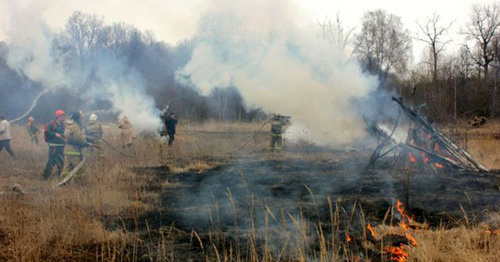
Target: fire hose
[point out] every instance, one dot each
(116, 149)
(72, 173)
(252, 136)
(33, 104)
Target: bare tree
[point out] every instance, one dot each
(336, 33)
(433, 36)
(84, 32)
(482, 29)
(496, 65)
(383, 46)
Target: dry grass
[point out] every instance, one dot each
(457, 244)
(69, 223)
(482, 142)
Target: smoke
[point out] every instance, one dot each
(94, 77)
(261, 48)
(30, 45)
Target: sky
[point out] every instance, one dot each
(174, 20)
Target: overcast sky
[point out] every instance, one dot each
(174, 20)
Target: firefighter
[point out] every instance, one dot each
(75, 143)
(54, 136)
(170, 123)
(93, 130)
(278, 125)
(33, 131)
(127, 135)
(93, 134)
(5, 136)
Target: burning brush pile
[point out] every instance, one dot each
(425, 148)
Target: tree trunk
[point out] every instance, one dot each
(494, 95)
(455, 105)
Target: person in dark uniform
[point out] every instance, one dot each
(278, 126)
(170, 124)
(54, 136)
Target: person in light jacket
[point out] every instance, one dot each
(5, 136)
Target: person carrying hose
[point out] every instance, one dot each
(278, 126)
(54, 136)
(75, 142)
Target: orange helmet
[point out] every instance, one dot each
(60, 113)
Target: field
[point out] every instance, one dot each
(197, 201)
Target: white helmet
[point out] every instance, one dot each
(93, 117)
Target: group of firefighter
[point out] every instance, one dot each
(67, 137)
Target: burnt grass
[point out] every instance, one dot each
(255, 195)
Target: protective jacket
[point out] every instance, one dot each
(50, 130)
(32, 129)
(93, 131)
(75, 139)
(5, 130)
(277, 125)
(127, 131)
(170, 125)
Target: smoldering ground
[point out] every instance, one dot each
(276, 201)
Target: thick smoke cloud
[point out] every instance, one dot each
(30, 45)
(94, 75)
(280, 65)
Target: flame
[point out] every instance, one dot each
(412, 240)
(403, 225)
(439, 166)
(424, 157)
(493, 232)
(374, 235)
(436, 147)
(401, 210)
(398, 253)
(348, 239)
(413, 159)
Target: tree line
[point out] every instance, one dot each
(452, 83)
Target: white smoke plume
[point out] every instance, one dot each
(32, 52)
(30, 44)
(280, 65)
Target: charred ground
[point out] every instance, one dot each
(260, 197)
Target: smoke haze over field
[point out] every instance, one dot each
(95, 76)
(281, 66)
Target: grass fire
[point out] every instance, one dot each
(226, 130)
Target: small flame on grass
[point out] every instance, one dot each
(439, 166)
(401, 210)
(412, 240)
(398, 253)
(425, 158)
(371, 230)
(412, 158)
(348, 239)
(493, 232)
